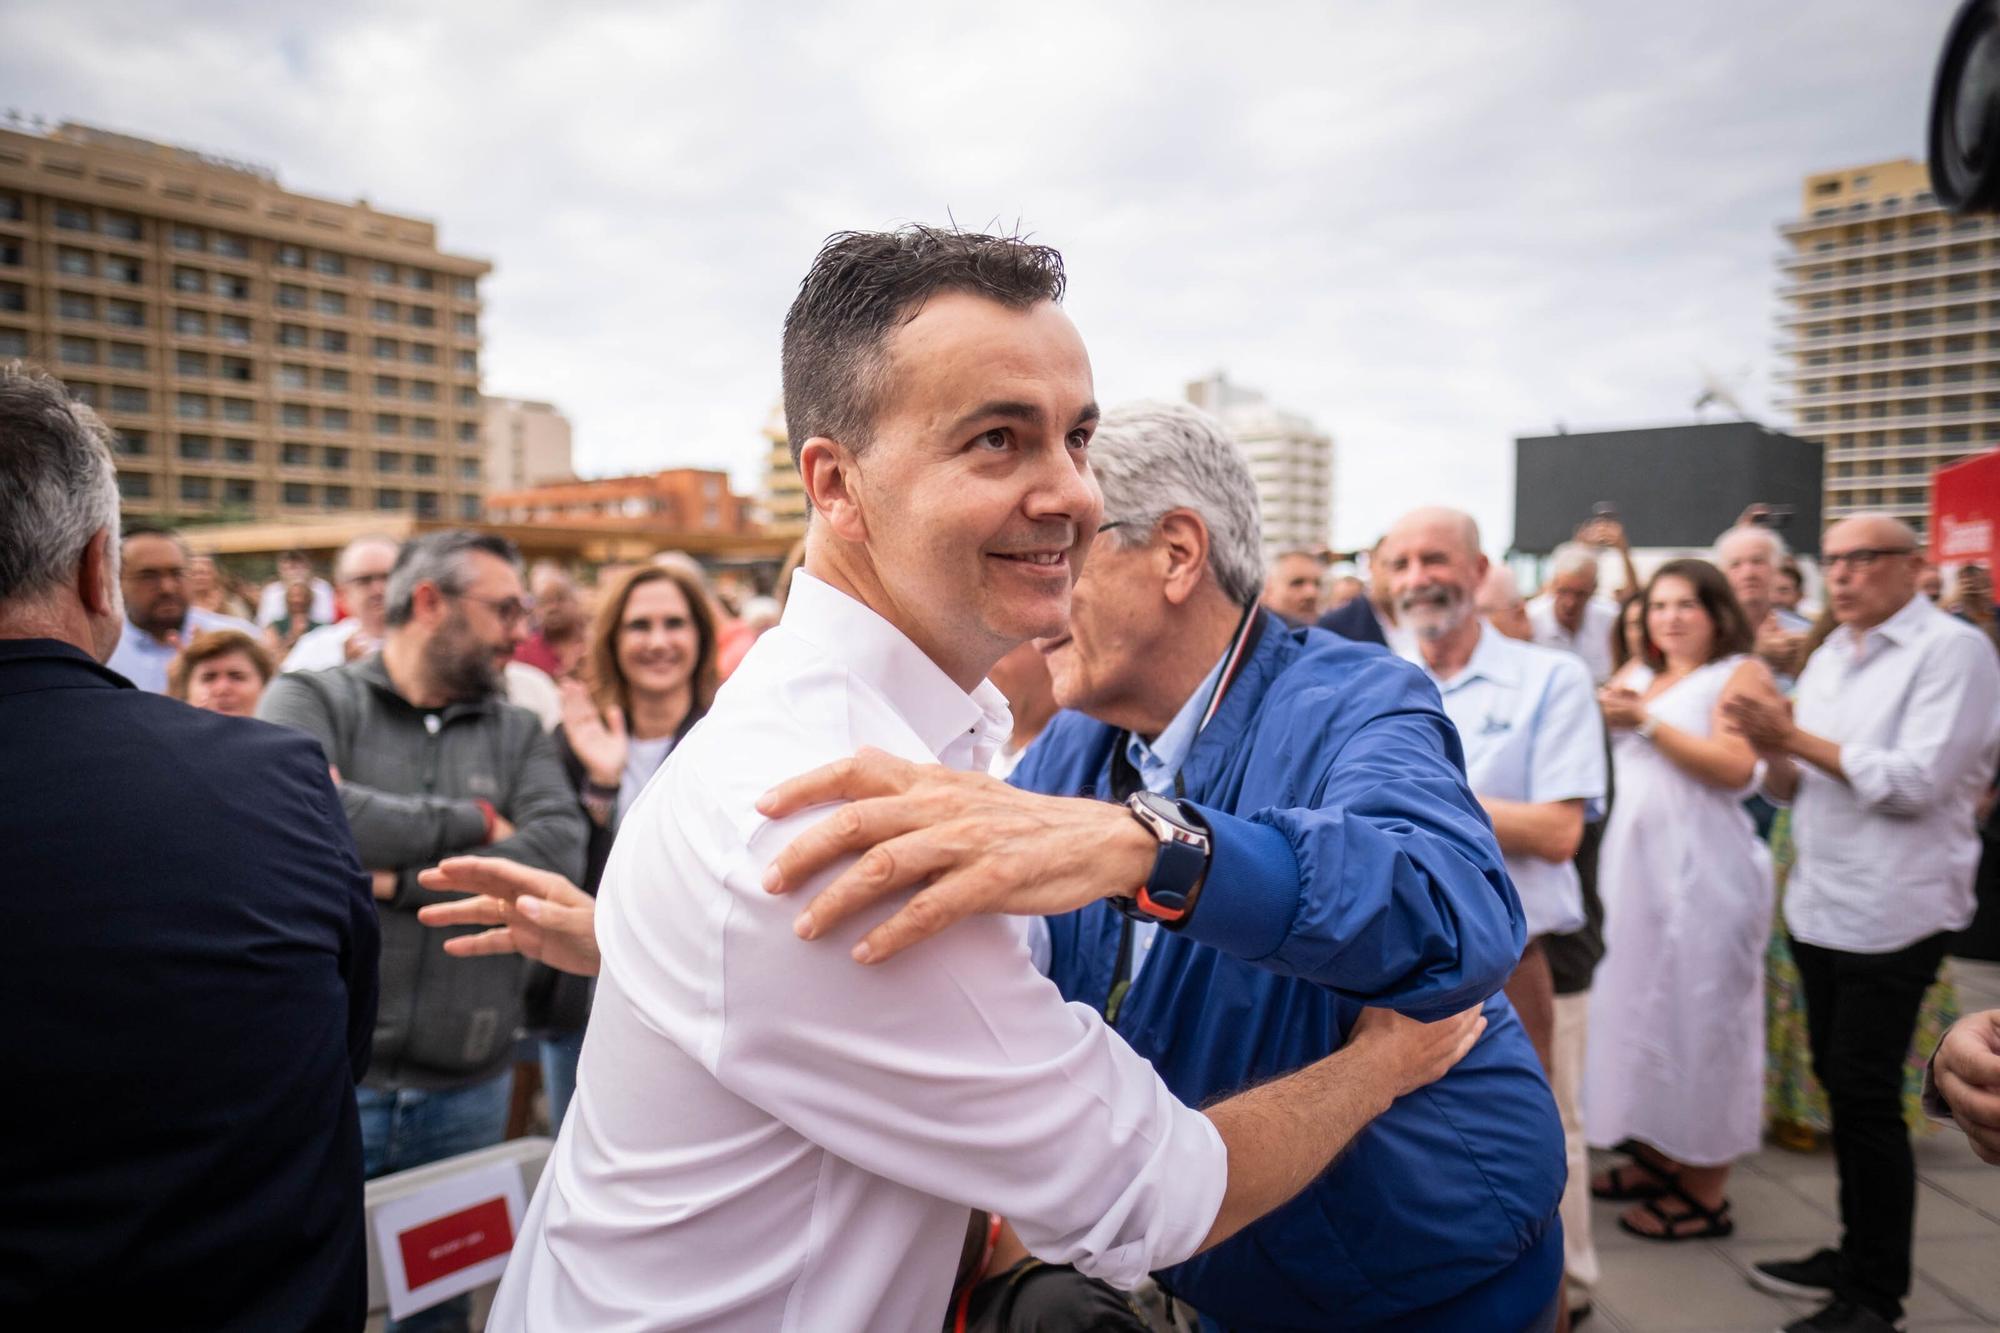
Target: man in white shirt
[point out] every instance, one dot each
(294, 567)
(1533, 737)
(766, 1137)
(362, 571)
(1889, 747)
(1569, 615)
(159, 618)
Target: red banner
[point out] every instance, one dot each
(457, 1240)
(1965, 512)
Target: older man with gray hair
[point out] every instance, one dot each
(1324, 853)
(188, 969)
(1569, 615)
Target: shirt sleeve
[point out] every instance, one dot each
(1567, 759)
(1389, 887)
(957, 1070)
(1946, 722)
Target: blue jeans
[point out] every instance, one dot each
(407, 1128)
(559, 1056)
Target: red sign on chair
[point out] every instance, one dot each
(456, 1240)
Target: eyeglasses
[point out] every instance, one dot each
(1862, 557)
(1115, 523)
(509, 609)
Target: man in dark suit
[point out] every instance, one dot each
(188, 965)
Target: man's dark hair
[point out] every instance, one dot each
(154, 530)
(439, 558)
(863, 285)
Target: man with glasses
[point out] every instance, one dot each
(1892, 743)
(159, 618)
(362, 574)
(432, 761)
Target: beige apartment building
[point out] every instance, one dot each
(261, 354)
(784, 498)
(528, 444)
(1291, 461)
(1891, 321)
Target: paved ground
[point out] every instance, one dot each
(1784, 1205)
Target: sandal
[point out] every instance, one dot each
(1711, 1223)
(1624, 1189)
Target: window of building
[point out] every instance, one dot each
(230, 246)
(423, 391)
(291, 376)
(233, 328)
(13, 296)
(235, 368)
(135, 486)
(128, 356)
(291, 296)
(10, 253)
(123, 226)
(125, 314)
(387, 349)
(423, 354)
(192, 323)
(388, 498)
(428, 504)
(382, 312)
(334, 458)
(71, 218)
(335, 418)
(238, 409)
(192, 405)
(469, 361)
(296, 493)
(333, 381)
(468, 469)
(468, 432)
(76, 263)
(130, 398)
(132, 443)
(196, 448)
(291, 256)
(467, 325)
(422, 280)
(333, 341)
(10, 206)
(388, 423)
(424, 465)
(332, 265)
(339, 497)
(13, 342)
(465, 289)
(76, 305)
(382, 273)
(295, 414)
(468, 396)
(295, 455)
(189, 279)
(239, 451)
(388, 461)
(423, 317)
(468, 508)
(424, 428)
(238, 491)
(81, 391)
(332, 303)
(233, 286)
(184, 237)
(388, 386)
(77, 351)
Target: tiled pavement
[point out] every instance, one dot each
(1784, 1206)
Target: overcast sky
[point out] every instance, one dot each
(1430, 227)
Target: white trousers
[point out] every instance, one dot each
(1579, 1252)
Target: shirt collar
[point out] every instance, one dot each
(882, 656)
(1169, 750)
(1898, 629)
(1491, 660)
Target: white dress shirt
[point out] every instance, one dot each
(1528, 720)
(769, 1136)
(1888, 857)
(1592, 642)
(319, 649)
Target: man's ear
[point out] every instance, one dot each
(95, 580)
(828, 469)
(1183, 543)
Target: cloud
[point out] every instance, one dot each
(1428, 227)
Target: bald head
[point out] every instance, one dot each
(1500, 601)
(1871, 563)
(1434, 568)
(362, 573)
(1438, 524)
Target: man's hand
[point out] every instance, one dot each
(1409, 1054)
(503, 829)
(1967, 1071)
(1778, 646)
(535, 913)
(966, 842)
(1608, 533)
(384, 883)
(1764, 719)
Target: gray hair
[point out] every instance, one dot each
(439, 558)
(1777, 544)
(1573, 558)
(58, 485)
(361, 543)
(1152, 458)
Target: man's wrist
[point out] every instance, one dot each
(490, 818)
(1132, 851)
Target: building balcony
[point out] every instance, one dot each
(1872, 337)
(1978, 416)
(1901, 305)
(1975, 357)
(1876, 277)
(1923, 201)
(1900, 245)
(1895, 393)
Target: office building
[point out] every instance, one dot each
(784, 499)
(261, 354)
(527, 444)
(1891, 324)
(1290, 459)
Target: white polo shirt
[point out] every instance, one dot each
(1888, 857)
(769, 1136)
(1592, 642)
(1527, 717)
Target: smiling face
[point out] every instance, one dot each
(1433, 574)
(658, 644)
(1679, 624)
(973, 501)
(227, 683)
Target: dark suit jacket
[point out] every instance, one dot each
(1356, 621)
(187, 972)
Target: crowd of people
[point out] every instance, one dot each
(1243, 943)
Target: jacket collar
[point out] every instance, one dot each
(371, 671)
(28, 665)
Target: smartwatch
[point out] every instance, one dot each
(1169, 893)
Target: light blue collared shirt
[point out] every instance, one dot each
(143, 659)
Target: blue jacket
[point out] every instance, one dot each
(1351, 865)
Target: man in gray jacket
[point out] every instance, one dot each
(431, 761)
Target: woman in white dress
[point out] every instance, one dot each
(1675, 1070)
